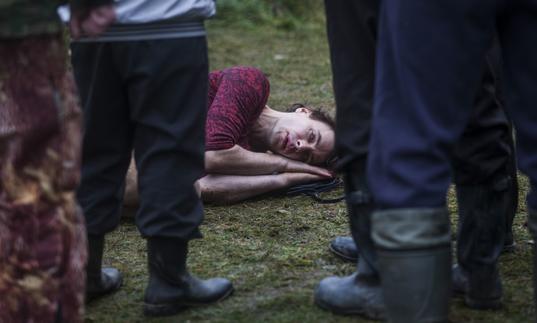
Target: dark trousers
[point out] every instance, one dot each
(483, 155)
(148, 97)
(485, 149)
(430, 62)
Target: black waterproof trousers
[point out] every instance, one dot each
(148, 97)
(484, 155)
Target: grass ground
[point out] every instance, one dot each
(275, 249)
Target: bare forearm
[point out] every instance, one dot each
(227, 189)
(239, 184)
(218, 189)
(239, 161)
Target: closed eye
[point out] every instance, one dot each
(311, 136)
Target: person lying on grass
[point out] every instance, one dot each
(252, 149)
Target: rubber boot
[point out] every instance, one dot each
(359, 208)
(480, 241)
(359, 293)
(99, 281)
(344, 248)
(414, 257)
(459, 281)
(171, 287)
(532, 226)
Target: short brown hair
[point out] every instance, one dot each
(316, 114)
(320, 115)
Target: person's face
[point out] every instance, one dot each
(297, 136)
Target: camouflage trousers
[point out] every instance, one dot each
(42, 236)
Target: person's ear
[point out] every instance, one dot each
(303, 110)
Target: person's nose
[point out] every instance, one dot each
(302, 145)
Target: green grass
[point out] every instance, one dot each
(275, 249)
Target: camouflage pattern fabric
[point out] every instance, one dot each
(42, 236)
(21, 18)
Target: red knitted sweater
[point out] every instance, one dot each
(237, 95)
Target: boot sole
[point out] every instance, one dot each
(169, 309)
(478, 304)
(95, 296)
(342, 255)
(372, 315)
(483, 304)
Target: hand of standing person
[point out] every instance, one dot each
(91, 22)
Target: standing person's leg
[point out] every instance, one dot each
(43, 247)
(351, 27)
(352, 33)
(510, 244)
(518, 38)
(428, 71)
(105, 154)
(168, 105)
(495, 61)
(482, 173)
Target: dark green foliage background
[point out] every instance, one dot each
(284, 14)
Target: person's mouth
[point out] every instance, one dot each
(285, 141)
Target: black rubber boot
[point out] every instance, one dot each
(99, 281)
(532, 226)
(171, 288)
(359, 208)
(359, 293)
(480, 241)
(344, 248)
(414, 257)
(459, 281)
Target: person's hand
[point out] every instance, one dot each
(296, 166)
(91, 22)
(291, 179)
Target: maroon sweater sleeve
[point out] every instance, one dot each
(237, 95)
